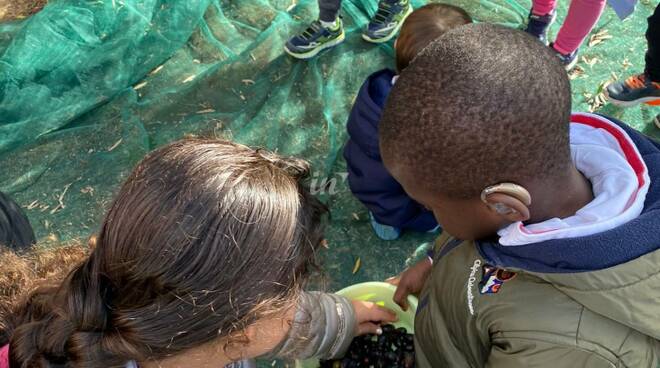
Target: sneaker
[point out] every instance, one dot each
(568, 60)
(537, 25)
(315, 39)
(384, 232)
(634, 90)
(388, 21)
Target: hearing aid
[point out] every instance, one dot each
(513, 190)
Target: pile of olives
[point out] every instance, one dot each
(393, 349)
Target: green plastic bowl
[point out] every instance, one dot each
(380, 293)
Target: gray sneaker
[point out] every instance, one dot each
(314, 39)
(634, 90)
(388, 20)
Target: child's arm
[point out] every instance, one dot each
(411, 281)
(321, 326)
(324, 325)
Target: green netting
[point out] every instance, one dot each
(88, 87)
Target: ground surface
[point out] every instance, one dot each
(90, 87)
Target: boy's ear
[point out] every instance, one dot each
(508, 200)
(508, 206)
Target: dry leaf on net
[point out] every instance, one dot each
(356, 267)
(576, 72)
(590, 61)
(626, 64)
(599, 37)
(139, 85)
(596, 102)
(598, 99)
(115, 145)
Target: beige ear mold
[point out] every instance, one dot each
(514, 190)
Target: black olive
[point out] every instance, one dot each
(394, 348)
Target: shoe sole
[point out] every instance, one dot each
(394, 32)
(652, 101)
(310, 54)
(572, 64)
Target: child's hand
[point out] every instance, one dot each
(369, 316)
(410, 281)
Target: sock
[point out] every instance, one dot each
(330, 25)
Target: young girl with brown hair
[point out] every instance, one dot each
(200, 261)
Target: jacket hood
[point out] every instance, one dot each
(615, 273)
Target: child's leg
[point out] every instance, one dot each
(582, 17)
(329, 10)
(653, 52)
(543, 7)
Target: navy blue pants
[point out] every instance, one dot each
(329, 9)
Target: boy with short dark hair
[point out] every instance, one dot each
(390, 209)
(558, 214)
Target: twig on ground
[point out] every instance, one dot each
(60, 199)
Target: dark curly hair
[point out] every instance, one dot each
(482, 104)
(204, 238)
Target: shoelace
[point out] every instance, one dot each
(311, 30)
(383, 14)
(639, 81)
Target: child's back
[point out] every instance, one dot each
(559, 266)
(390, 207)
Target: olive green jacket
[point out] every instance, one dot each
(472, 315)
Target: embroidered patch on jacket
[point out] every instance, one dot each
(493, 278)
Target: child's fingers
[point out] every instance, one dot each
(394, 280)
(370, 315)
(370, 312)
(369, 328)
(401, 297)
(381, 314)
